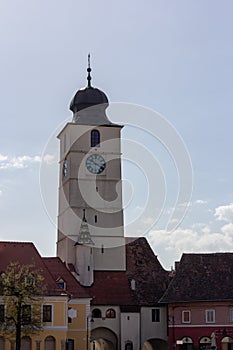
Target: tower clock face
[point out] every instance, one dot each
(95, 164)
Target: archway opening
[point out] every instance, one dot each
(155, 344)
(103, 339)
(227, 343)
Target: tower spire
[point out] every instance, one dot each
(84, 236)
(89, 71)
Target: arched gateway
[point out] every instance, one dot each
(103, 339)
(155, 344)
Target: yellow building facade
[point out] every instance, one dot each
(64, 307)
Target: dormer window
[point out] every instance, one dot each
(95, 138)
(61, 283)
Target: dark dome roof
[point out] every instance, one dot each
(87, 97)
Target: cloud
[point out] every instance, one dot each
(49, 159)
(0, 193)
(19, 162)
(227, 229)
(170, 245)
(200, 201)
(2, 158)
(224, 213)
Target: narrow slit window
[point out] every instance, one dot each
(95, 218)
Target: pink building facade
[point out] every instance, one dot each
(201, 325)
(200, 303)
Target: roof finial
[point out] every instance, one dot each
(89, 71)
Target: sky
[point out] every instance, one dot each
(173, 57)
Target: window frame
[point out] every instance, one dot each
(183, 313)
(155, 315)
(95, 138)
(110, 313)
(51, 313)
(231, 315)
(26, 315)
(207, 313)
(61, 284)
(96, 313)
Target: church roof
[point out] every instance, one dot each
(115, 287)
(202, 277)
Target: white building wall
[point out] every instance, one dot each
(112, 324)
(130, 330)
(153, 330)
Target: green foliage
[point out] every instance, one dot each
(22, 288)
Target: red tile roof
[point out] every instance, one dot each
(25, 253)
(151, 280)
(111, 288)
(59, 270)
(202, 277)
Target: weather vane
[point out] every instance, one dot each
(89, 71)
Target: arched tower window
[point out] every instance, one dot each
(111, 313)
(95, 138)
(96, 313)
(129, 345)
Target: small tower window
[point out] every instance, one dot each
(111, 313)
(64, 167)
(129, 345)
(95, 218)
(96, 313)
(95, 138)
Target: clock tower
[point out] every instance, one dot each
(90, 213)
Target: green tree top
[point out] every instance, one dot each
(22, 288)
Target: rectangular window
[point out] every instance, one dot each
(26, 314)
(155, 315)
(210, 316)
(186, 316)
(47, 313)
(70, 344)
(2, 313)
(231, 315)
(69, 318)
